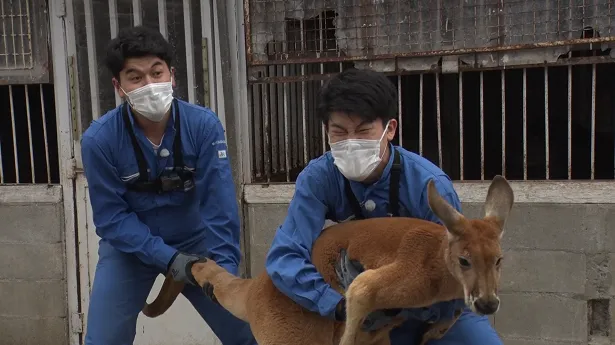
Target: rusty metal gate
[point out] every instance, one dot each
(520, 88)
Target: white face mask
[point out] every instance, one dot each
(357, 158)
(152, 100)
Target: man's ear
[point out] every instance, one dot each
(118, 89)
(172, 76)
(391, 129)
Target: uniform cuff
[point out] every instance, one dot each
(164, 256)
(328, 302)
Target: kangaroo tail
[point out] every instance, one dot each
(167, 295)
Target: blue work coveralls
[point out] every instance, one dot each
(140, 232)
(320, 195)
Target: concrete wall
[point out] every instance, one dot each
(32, 284)
(557, 285)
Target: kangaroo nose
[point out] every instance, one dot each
(487, 306)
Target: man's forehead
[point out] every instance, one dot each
(142, 64)
(346, 121)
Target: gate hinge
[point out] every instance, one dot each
(77, 322)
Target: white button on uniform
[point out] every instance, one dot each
(164, 153)
(370, 205)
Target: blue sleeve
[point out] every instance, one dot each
(445, 187)
(114, 220)
(218, 203)
(288, 262)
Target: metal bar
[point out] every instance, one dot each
(4, 37)
(303, 98)
(162, 18)
(569, 122)
(593, 124)
(136, 12)
(286, 125)
(12, 106)
(482, 127)
(28, 34)
(13, 39)
(23, 56)
(288, 59)
(216, 89)
(546, 76)
(44, 120)
(189, 50)
(266, 118)
(304, 118)
(524, 124)
(1, 166)
(421, 114)
(208, 64)
(321, 48)
(400, 112)
(29, 120)
(461, 126)
(463, 68)
(114, 26)
(92, 64)
(438, 122)
(503, 122)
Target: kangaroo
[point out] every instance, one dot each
(409, 263)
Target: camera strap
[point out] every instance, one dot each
(143, 183)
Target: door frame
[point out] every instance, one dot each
(60, 23)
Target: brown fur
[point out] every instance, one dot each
(408, 263)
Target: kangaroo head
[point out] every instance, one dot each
(474, 254)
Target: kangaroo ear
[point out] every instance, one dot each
(499, 201)
(451, 218)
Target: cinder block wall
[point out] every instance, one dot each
(33, 307)
(557, 287)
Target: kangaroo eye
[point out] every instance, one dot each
(498, 262)
(463, 262)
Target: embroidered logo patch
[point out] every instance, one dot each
(221, 153)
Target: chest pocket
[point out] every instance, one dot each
(138, 202)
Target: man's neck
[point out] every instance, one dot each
(377, 173)
(154, 131)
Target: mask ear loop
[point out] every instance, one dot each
(382, 137)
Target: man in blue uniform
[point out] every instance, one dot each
(161, 191)
(363, 176)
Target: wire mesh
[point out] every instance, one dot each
(16, 43)
(352, 28)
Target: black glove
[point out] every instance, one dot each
(180, 267)
(346, 271)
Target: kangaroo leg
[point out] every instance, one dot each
(439, 329)
(231, 292)
(386, 287)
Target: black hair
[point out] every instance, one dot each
(135, 42)
(364, 93)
